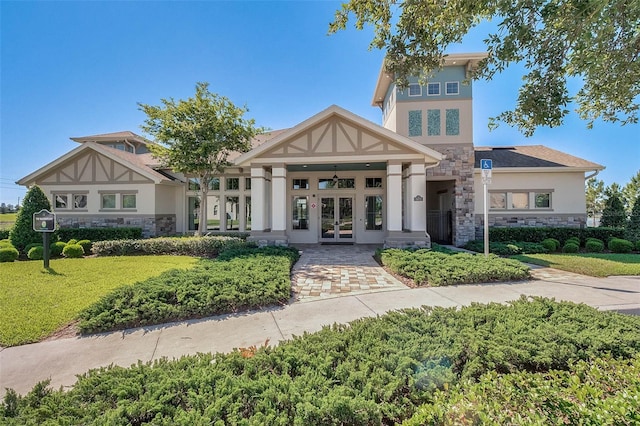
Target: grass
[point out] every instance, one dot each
(7, 220)
(593, 264)
(35, 302)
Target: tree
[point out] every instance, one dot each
(633, 227)
(593, 43)
(22, 232)
(3, 208)
(613, 214)
(595, 198)
(197, 135)
(631, 191)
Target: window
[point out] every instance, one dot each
(213, 213)
(452, 87)
(415, 89)
(520, 200)
(433, 89)
(498, 200)
(373, 183)
(128, 201)
(247, 183)
(108, 201)
(543, 200)
(214, 185)
(247, 213)
(340, 184)
(79, 201)
(415, 123)
(300, 183)
(233, 184)
(300, 213)
(373, 215)
(453, 122)
(433, 122)
(194, 184)
(233, 218)
(61, 201)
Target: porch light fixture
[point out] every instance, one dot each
(335, 175)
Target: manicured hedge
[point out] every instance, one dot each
(99, 234)
(4, 234)
(508, 248)
(426, 267)
(247, 279)
(536, 235)
(373, 371)
(191, 246)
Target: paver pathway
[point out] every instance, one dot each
(326, 271)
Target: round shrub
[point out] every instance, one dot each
(638, 245)
(594, 245)
(618, 245)
(30, 246)
(56, 248)
(8, 254)
(4, 244)
(573, 240)
(36, 253)
(86, 245)
(72, 241)
(570, 247)
(551, 244)
(73, 251)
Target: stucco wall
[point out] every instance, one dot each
(145, 198)
(401, 113)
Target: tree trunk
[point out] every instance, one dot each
(202, 224)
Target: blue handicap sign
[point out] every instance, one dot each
(486, 164)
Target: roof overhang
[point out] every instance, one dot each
(469, 60)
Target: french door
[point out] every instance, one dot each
(336, 221)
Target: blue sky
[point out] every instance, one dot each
(80, 68)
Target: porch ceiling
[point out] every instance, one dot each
(337, 167)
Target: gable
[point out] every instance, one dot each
(91, 167)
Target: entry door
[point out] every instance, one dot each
(337, 219)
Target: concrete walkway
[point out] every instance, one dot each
(61, 360)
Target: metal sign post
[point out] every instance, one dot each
(44, 221)
(486, 167)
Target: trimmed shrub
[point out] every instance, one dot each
(32, 245)
(510, 248)
(22, 232)
(86, 246)
(594, 246)
(73, 251)
(570, 247)
(4, 234)
(551, 244)
(57, 248)
(99, 234)
(192, 246)
(537, 234)
(638, 245)
(8, 254)
(36, 253)
(72, 241)
(573, 240)
(618, 245)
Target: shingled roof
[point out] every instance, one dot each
(531, 156)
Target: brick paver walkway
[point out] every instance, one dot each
(325, 271)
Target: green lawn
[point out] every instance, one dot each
(34, 302)
(593, 264)
(7, 220)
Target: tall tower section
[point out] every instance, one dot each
(439, 114)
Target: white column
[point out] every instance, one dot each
(394, 197)
(278, 198)
(417, 197)
(258, 199)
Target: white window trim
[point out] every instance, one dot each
(409, 89)
(434, 94)
(532, 199)
(447, 91)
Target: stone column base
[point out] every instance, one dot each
(397, 239)
(268, 238)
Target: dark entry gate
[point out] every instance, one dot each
(439, 226)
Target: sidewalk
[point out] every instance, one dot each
(61, 360)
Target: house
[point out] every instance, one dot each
(333, 178)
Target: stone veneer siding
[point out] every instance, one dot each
(458, 166)
(152, 226)
(534, 221)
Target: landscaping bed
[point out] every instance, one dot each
(379, 371)
(442, 267)
(593, 264)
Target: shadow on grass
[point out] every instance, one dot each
(533, 260)
(52, 271)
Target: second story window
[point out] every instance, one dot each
(452, 87)
(415, 89)
(433, 89)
